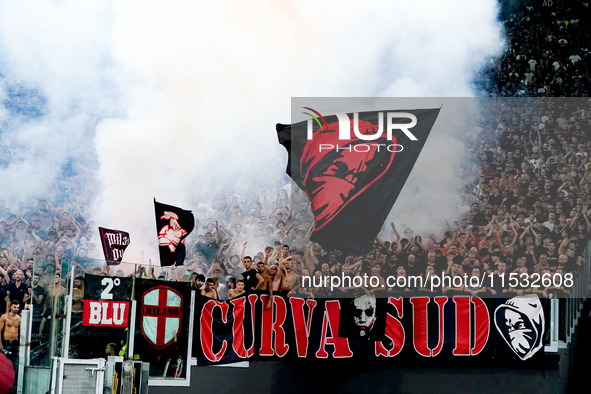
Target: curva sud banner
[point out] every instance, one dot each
(439, 328)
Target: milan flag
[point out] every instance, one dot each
(352, 177)
(114, 244)
(162, 325)
(174, 225)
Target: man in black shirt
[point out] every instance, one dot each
(38, 294)
(251, 276)
(17, 289)
(552, 254)
(413, 267)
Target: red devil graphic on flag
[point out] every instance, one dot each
(353, 177)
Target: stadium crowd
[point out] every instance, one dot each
(525, 206)
(547, 51)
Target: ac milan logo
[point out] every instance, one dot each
(161, 315)
(520, 321)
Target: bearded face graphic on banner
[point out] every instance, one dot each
(171, 234)
(173, 225)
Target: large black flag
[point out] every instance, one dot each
(174, 225)
(114, 244)
(353, 176)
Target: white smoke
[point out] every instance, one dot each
(185, 95)
(55, 56)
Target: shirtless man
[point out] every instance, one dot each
(275, 279)
(264, 272)
(238, 291)
(78, 295)
(208, 290)
(9, 329)
(267, 283)
(381, 286)
(543, 263)
(285, 275)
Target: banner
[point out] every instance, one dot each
(100, 287)
(352, 168)
(440, 328)
(114, 244)
(162, 325)
(173, 225)
(106, 301)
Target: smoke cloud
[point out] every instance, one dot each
(174, 100)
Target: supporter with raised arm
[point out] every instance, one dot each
(252, 279)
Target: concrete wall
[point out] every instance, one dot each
(327, 377)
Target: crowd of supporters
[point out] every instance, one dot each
(524, 209)
(525, 206)
(547, 51)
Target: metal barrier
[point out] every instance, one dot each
(565, 312)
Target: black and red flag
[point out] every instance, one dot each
(114, 244)
(173, 225)
(353, 177)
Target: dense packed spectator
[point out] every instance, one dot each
(524, 207)
(547, 51)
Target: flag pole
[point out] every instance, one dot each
(66, 341)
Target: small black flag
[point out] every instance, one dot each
(114, 244)
(174, 225)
